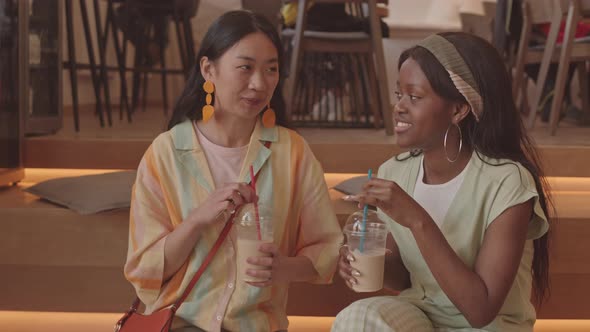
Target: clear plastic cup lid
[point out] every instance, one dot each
(246, 216)
(354, 223)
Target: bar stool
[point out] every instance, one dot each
(179, 15)
(158, 17)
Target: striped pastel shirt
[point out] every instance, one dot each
(173, 178)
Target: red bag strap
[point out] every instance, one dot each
(206, 261)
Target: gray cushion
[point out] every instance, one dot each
(351, 186)
(90, 193)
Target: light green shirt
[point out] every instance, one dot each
(490, 187)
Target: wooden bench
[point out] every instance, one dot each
(53, 259)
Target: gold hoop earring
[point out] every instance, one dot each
(208, 109)
(269, 118)
(460, 143)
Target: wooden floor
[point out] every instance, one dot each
(339, 150)
(99, 322)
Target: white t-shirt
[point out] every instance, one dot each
(436, 198)
(225, 163)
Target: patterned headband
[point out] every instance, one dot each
(462, 77)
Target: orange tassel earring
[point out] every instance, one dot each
(269, 118)
(208, 109)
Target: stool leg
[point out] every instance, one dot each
(550, 47)
(146, 76)
(146, 71)
(363, 91)
(179, 40)
(374, 91)
(102, 59)
(104, 40)
(121, 61)
(564, 61)
(319, 90)
(90, 51)
(314, 91)
(164, 71)
(190, 44)
(331, 113)
(136, 79)
(339, 92)
(354, 88)
(323, 91)
(296, 55)
(378, 64)
(72, 63)
(299, 101)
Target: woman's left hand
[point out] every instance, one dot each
(272, 266)
(391, 199)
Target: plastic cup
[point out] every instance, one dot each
(248, 240)
(368, 249)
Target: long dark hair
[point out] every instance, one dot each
(224, 33)
(500, 127)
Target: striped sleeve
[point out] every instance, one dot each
(319, 233)
(149, 225)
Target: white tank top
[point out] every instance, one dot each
(437, 198)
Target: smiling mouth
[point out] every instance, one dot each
(402, 127)
(400, 124)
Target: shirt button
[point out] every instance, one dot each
(219, 317)
(230, 285)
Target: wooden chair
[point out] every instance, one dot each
(570, 51)
(357, 60)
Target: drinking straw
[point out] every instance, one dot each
(364, 225)
(253, 183)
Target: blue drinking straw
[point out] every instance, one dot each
(364, 225)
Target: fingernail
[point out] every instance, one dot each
(356, 273)
(350, 258)
(352, 281)
(350, 197)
